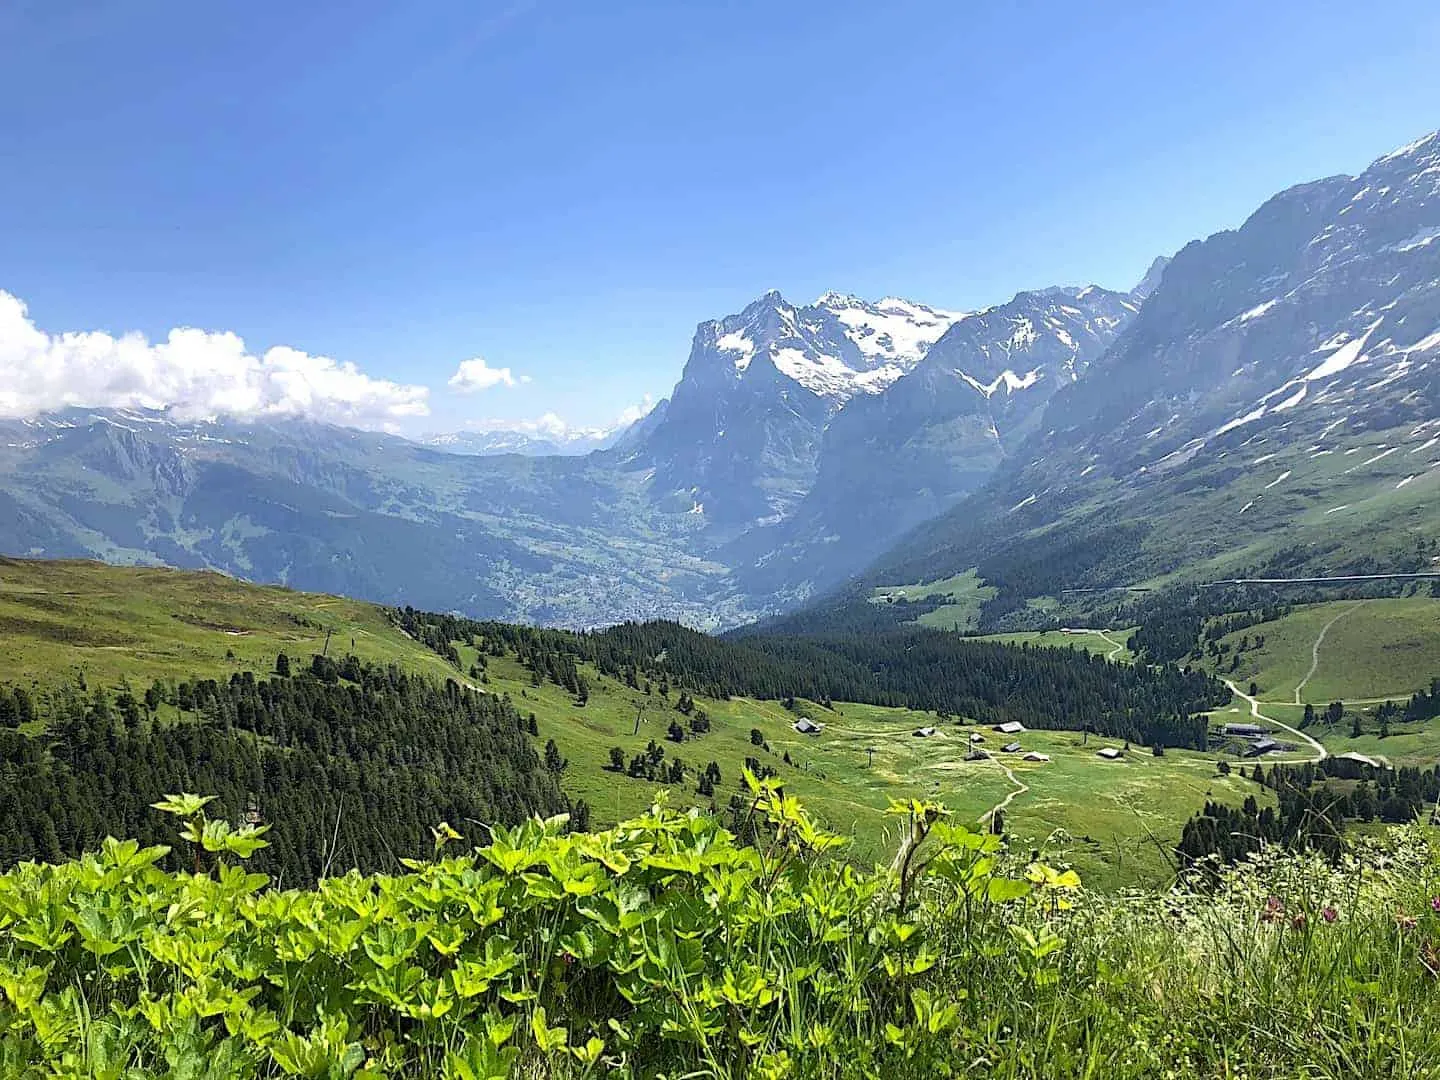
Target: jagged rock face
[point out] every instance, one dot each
(1151, 281)
(889, 461)
(742, 432)
(1326, 300)
(1261, 348)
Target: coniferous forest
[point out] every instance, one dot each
(1047, 688)
(1314, 803)
(349, 765)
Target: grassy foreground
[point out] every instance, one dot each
(665, 947)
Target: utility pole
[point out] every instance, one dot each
(326, 651)
(871, 752)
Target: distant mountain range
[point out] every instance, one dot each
(1270, 393)
(532, 441)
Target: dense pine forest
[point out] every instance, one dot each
(349, 765)
(1045, 688)
(1314, 803)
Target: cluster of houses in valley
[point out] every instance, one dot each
(977, 753)
(1257, 740)
(1010, 729)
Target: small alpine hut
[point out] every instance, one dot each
(806, 726)
(1035, 755)
(1010, 727)
(923, 733)
(1110, 753)
(1010, 748)
(1246, 731)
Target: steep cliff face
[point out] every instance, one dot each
(889, 461)
(741, 435)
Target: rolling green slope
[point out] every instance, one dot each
(1370, 650)
(109, 623)
(69, 623)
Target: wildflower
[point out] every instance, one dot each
(1404, 921)
(1329, 914)
(1430, 958)
(1274, 909)
(1435, 904)
(1298, 922)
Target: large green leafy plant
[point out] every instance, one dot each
(659, 947)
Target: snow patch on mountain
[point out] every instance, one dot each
(1240, 421)
(1258, 310)
(1006, 378)
(1422, 238)
(1343, 357)
(736, 342)
(891, 330)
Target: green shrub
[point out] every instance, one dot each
(657, 946)
(663, 947)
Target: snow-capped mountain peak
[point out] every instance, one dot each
(890, 331)
(835, 348)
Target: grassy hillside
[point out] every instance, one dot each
(1115, 816)
(108, 625)
(959, 600)
(1372, 649)
(1365, 503)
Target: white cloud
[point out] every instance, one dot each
(194, 373)
(475, 375)
(634, 413)
(553, 426)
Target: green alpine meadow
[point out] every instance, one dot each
(369, 842)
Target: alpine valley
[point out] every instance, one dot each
(1267, 400)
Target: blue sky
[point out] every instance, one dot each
(566, 188)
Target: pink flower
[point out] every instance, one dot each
(1298, 922)
(1404, 921)
(1329, 914)
(1435, 904)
